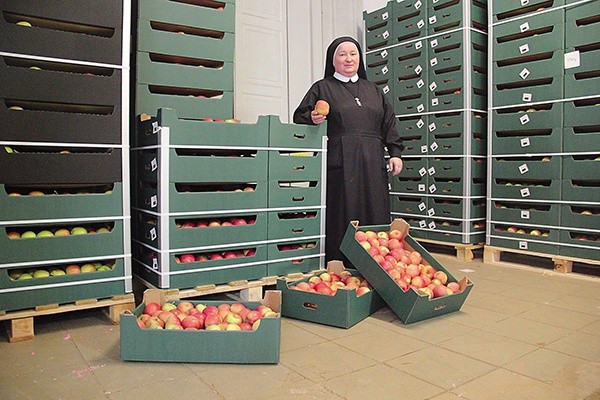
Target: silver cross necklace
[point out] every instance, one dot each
(347, 86)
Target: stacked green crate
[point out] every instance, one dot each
(184, 58)
(221, 202)
(543, 175)
(430, 58)
(64, 185)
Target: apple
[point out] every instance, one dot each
(427, 291)
(439, 291)
(233, 318)
(13, 235)
(212, 319)
(79, 230)
(521, 231)
(24, 23)
(25, 276)
(41, 273)
(185, 306)
(586, 212)
(87, 268)
(72, 269)
(253, 316)
(103, 268)
(454, 286)
(210, 310)
(512, 229)
(62, 232)
(187, 258)
(535, 232)
(322, 107)
(168, 306)
(36, 193)
(360, 236)
(190, 322)
(44, 233)
(151, 308)
(441, 276)
(57, 272)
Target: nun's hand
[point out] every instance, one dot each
(395, 165)
(317, 118)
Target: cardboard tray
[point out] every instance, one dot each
(409, 306)
(237, 347)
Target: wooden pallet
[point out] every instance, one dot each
(464, 251)
(248, 290)
(562, 264)
(20, 323)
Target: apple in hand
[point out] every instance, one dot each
(322, 107)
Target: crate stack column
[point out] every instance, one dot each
(64, 198)
(543, 173)
(429, 57)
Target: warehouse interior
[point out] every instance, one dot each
(150, 159)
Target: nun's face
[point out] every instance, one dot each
(346, 59)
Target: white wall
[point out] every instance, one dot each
(372, 5)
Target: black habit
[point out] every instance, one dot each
(357, 130)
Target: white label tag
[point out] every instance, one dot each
(420, 108)
(420, 24)
(418, 45)
(153, 201)
(432, 188)
(432, 127)
(422, 224)
(525, 192)
(386, 35)
(524, 48)
(524, 27)
(418, 69)
(524, 73)
(420, 123)
(433, 62)
(525, 214)
(418, 4)
(386, 89)
(435, 102)
(432, 86)
(420, 83)
(154, 264)
(384, 54)
(525, 142)
(422, 206)
(572, 60)
(153, 164)
(434, 146)
(155, 127)
(432, 225)
(524, 119)
(422, 187)
(431, 212)
(433, 43)
(524, 2)
(423, 171)
(152, 234)
(527, 97)
(523, 245)
(431, 171)
(385, 16)
(523, 168)
(424, 149)
(432, 20)
(385, 70)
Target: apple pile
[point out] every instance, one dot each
(296, 246)
(15, 192)
(522, 231)
(329, 282)
(77, 230)
(215, 222)
(406, 267)
(187, 316)
(34, 273)
(217, 255)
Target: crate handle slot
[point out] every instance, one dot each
(310, 306)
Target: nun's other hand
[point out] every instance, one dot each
(317, 118)
(395, 165)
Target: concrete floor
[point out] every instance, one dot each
(523, 333)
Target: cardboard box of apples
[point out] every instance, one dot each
(412, 283)
(337, 296)
(225, 332)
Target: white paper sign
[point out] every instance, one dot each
(572, 60)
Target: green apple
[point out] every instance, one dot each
(103, 230)
(24, 23)
(8, 149)
(22, 277)
(79, 230)
(88, 268)
(41, 273)
(45, 233)
(104, 268)
(28, 234)
(57, 272)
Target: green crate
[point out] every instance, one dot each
(523, 243)
(31, 293)
(451, 56)
(524, 118)
(547, 89)
(343, 310)
(412, 103)
(400, 184)
(185, 199)
(148, 99)
(295, 136)
(414, 145)
(583, 216)
(188, 132)
(286, 193)
(527, 141)
(197, 165)
(582, 244)
(292, 224)
(179, 75)
(409, 306)
(527, 167)
(582, 113)
(584, 167)
(457, 99)
(378, 59)
(526, 213)
(453, 79)
(585, 79)
(153, 38)
(293, 249)
(466, 208)
(295, 266)
(189, 15)
(182, 235)
(60, 206)
(409, 20)
(412, 205)
(451, 15)
(528, 71)
(456, 186)
(407, 57)
(455, 167)
(513, 8)
(461, 237)
(449, 136)
(411, 126)
(581, 139)
(582, 30)
(414, 167)
(377, 18)
(261, 346)
(295, 165)
(379, 37)
(61, 247)
(534, 189)
(533, 35)
(380, 76)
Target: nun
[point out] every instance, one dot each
(360, 125)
